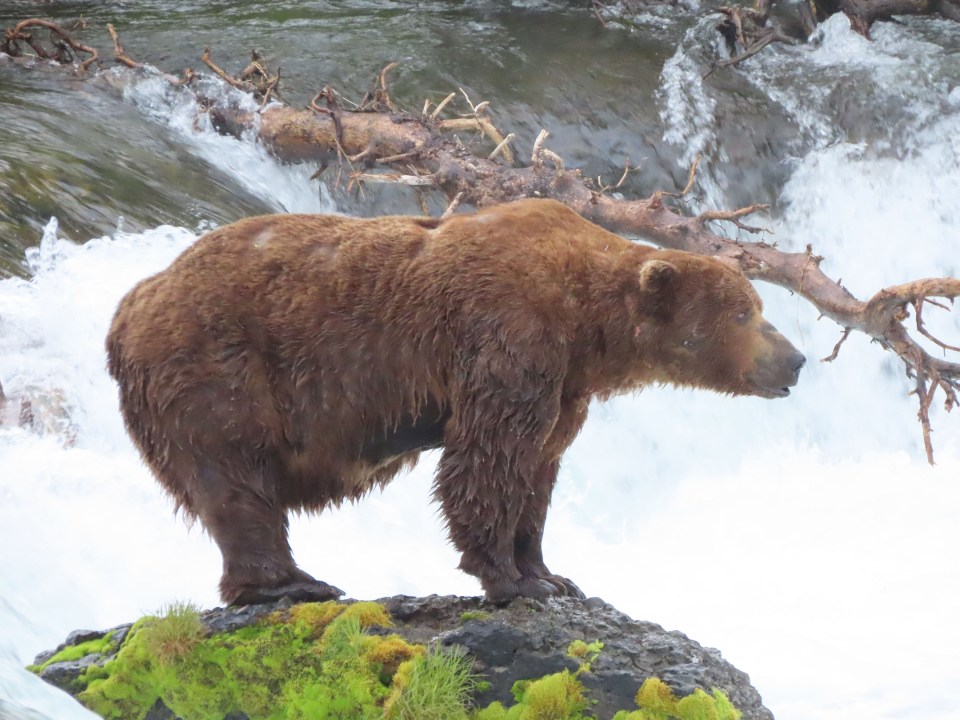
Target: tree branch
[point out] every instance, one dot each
(60, 39)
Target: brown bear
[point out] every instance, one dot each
(297, 361)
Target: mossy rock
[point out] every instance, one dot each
(334, 661)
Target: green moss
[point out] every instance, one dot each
(584, 653)
(493, 711)
(310, 617)
(700, 706)
(313, 661)
(76, 652)
(469, 615)
(657, 702)
(657, 699)
(554, 697)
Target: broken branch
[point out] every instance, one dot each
(118, 49)
(18, 33)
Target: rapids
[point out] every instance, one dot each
(806, 538)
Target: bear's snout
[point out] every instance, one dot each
(778, 369)
(797, 361)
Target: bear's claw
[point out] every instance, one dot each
(538, 588)
(566, 586)
(298, 591)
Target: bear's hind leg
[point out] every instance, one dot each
(251, 531)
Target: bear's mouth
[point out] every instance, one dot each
(771, 392)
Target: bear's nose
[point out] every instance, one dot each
(796, 361)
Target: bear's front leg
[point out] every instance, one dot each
(487, 475)
(528, 550)
(528, 546)
(482, 498)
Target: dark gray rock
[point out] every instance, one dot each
(228, 619)
(159, 711)
(82, 636)
(529, 639)
(62, 674)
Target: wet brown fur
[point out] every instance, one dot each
(297, 361)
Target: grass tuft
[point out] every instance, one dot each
(435, 686)
(175, 633)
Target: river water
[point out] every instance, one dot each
(805, 538)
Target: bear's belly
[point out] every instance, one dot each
(425, 432)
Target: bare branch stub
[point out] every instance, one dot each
(377, 98)
(62, 42)
(440, 107)
(604, 188)
(118, 52)
(485, 127)
(657, 197)
(451, 208)
(918, 304)
(476, 119)
(836, 348)
(223, 74)
(734, 217)
(254, 78)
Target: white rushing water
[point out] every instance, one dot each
(807, 538)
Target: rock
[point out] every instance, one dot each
(159, 711)
(525, 639)
(82, 636)
(528, 639)
(74, 638)
(62, 674)
(231, 619)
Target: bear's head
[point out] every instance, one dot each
(709, 328)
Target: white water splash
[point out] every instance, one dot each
(286, 188)
(687, 109)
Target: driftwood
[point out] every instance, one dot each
(377, 143)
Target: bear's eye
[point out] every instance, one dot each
(689, 343)
(743, 316)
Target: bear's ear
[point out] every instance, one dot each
(656, 276)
